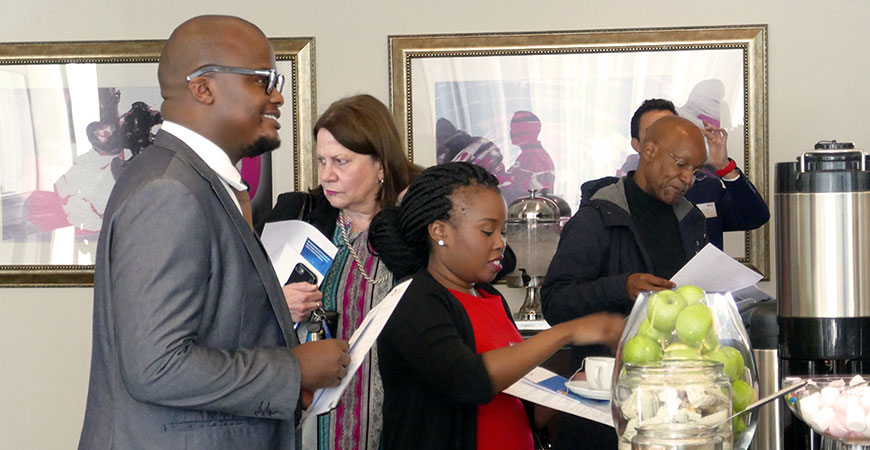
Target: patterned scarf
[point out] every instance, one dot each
(357, 422)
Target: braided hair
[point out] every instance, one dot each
(400, 235)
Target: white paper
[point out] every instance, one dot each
(749, 296)
(532, 325)
(291, 242)
(360, 343)
(714, 271)
(530, 388)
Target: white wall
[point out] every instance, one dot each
(818, 89)
(45, 343)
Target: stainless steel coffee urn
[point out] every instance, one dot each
(822, 210)
(760, 321)
(533, 233)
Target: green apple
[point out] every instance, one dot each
(738, 426)
(732, 365)
(646, 329)
(691, 293)
(737, 361)
(680, 346)
(711, 342)
(683, 354)
(678, 350)
(641, 348)
(742, 395)
(663, 309)
(694, 324)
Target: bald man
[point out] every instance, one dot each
(630, 235)
(193, 343)
(729, 201)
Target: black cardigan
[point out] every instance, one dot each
(433, 377)
(311, 207)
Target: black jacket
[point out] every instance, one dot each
(433, 377)
(311, 207)
(739, 206)
(599, 248)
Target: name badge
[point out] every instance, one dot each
(709, 209)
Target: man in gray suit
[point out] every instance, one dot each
(193, 342)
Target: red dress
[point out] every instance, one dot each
(502, 424)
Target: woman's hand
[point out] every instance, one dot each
(599, 328)
(302, 298)
(508, 364)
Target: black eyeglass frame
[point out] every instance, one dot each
(276, 80)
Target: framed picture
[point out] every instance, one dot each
(74, 113)
(550, 111)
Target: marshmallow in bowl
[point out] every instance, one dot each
(830, 394)
(855, 417)
(809, 405)
(822, 420)
(838, 428)
(840, 410)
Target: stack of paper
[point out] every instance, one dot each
(360, 343)
(293, 242)
(543, 387)
(714, 271)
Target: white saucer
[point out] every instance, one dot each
(581, 388)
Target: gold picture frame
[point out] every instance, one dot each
(430, 74)
(50, 83)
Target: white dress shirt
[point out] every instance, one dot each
(215, 158)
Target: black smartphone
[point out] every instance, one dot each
(301, 273)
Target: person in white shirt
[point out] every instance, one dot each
(193, 341)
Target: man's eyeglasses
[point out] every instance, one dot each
(684, 166)
(271, 78)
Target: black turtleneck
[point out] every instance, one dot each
(658, 228)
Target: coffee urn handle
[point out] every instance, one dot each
(833, 152)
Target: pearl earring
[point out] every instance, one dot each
(441, 242)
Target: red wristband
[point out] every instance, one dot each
(727, 169)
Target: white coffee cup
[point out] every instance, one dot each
(599, 372)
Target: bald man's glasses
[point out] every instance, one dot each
(271, 78)
(686, 167)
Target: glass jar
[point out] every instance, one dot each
(726, 330)
(662, 393)
(676, 436)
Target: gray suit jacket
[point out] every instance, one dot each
(192, 336)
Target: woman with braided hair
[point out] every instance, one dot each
(451, 347)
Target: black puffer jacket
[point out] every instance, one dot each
(599, 249)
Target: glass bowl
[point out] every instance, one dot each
(835, 406)
(724, 330)
(669, 393)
